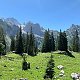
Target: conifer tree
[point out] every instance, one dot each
(62, 41)
(75, 45)
(19, 47)
(65, 44)
(36, 48)
(12, 47)
(48, 43)
(2, 42)
(27, 43)
(52, 42)
(31, 46)
(24, 42)
(46, 46)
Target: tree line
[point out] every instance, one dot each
(49, 43)
(24, 43)
(28, 44)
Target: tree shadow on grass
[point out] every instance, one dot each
(68, 53)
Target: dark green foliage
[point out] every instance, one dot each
(19, 41)
(2, 47)
(62, 41)
(46, 46)
(52, 46)
(48, 43)
(75, 42)
(2, 42)
(12, 47)
(27, 43)
(36, 48)
(31, 45)
(50, 69)
(65, 41)
(24, 42)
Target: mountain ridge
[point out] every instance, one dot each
(11, 28)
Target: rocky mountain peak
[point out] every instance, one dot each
(12, 21)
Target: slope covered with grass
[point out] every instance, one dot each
(70, 65)
(12, 69)
(11, 66)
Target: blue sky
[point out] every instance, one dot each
(53, 14)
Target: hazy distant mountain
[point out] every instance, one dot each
(11, 28)
(71, 31)
(36, 28)
(12, 21)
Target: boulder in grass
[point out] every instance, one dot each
(13, 51)
(60, 67)
(62, 71)
(75, 76)
(37, 67)
(61, 74)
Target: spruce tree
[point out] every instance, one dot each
(48, 43)
(31, 46)
(27, 43)
(65, 46)
(12, 47)
(62, 41)
(36, 48)
(2, 41)
(52, 42)
(19, 48)
(75, 45)
(24, 42)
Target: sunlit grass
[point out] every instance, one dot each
(13, 69)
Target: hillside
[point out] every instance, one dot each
(12, 68)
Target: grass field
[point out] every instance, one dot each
(11, 69)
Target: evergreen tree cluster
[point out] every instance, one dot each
(24, 44)
(62, 41)
(48, 43)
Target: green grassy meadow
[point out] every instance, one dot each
(12, 69)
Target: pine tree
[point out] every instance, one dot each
(75, 45)
(46, 42)
(12, 47)
(2, 42)
(27, 43)
(50, 69)
(19, 47)
(65, 46)
(24, 42)
(31, 46)
(52, 42)
(36, 48)
(62, 41)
